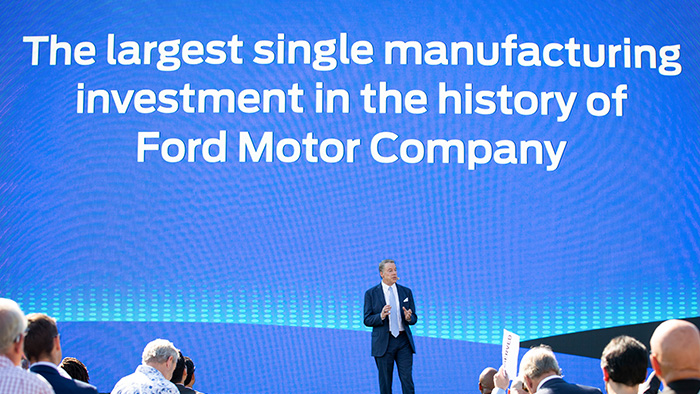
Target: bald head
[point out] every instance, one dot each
(486, 380)
(675, 351)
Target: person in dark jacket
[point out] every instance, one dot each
(42, 346)
(675, 356)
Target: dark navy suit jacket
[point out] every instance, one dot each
(63, 385)
(374, 303)
(559, 386)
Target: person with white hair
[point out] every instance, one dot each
(15, 380)
(540, 372)
(153, 376)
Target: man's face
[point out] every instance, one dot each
(389, 274)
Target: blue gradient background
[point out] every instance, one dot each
(257, 270)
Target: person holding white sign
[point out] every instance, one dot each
(541, 374)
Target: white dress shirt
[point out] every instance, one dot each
(390, 291)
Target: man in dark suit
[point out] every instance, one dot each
(675, 356)
(390, 311)
(42, 347)
(541, 374)
(179, 376)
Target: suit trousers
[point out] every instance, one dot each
(399, 350)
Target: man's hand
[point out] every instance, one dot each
(500, 379)
(407, 314)
(385, 311)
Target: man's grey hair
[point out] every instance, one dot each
(159, 351)
(538, 361)
(385, 262)
(12, 323)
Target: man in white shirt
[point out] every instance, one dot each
(153, 376)
(14, 379)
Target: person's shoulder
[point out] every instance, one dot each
(589, 389)
(36, 382)
(43, 370)
(583, 389)
(85, 388)
(373, 288)
(43, 385)
(62, 384)
(560, 386)
(47, 374)
(171, 386)
(185, 390)
(12, 377)
(131, 380)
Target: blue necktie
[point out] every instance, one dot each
(393, 314)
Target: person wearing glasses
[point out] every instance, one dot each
(13, 379)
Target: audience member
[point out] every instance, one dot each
(675, 356)
(189, 379)
(158, 362)
(16, 380)
(486, 380)
(517, 387)
(500, 381)
(541, 374)
(651, 385)
(42, 346)
(179, 375)
(76, 369)
(624, 364)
